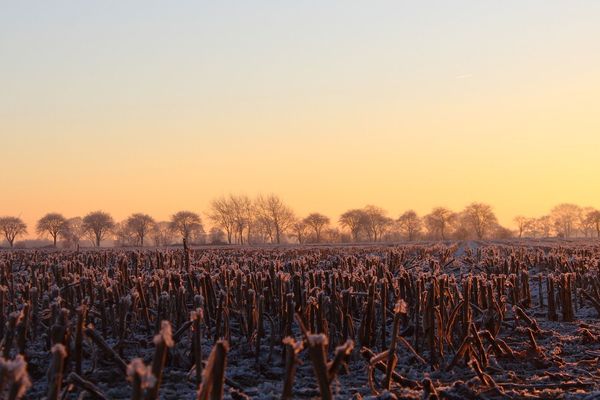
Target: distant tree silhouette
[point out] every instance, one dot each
(585, 225)
(317, 222)
(245, 216)
(522, 223)
(565, 217)
(97, 225)
(272, 210)
(438, 221)
(376, 222)
(73, 231)
(140, 224)
(355, 220)
(410, 224)
(12, 227)
(236, 214)
(593, 217)
(161, 233)
(481, 218)
(299, 229)
(185, 222)
(53, 224)
(223, 215)
(267, 219)
(124, 235)
(544, 225)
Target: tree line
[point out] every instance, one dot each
(239, 219)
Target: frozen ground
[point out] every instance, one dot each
(565, 364)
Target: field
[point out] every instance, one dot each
(453, 321)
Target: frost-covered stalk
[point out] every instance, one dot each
(540, 292)
(124, 307)
(383, 312)
(467, 313)
(34, 296)
(399, 309)
(292, 348)
(566, 297)
(316, 350)
(3, 292)
(140, 377)
(55, 374)
(96, 338)
(197, 317)
(23, 328)
(552, 316)
(341, 354)
(81, 316)
(9, 335)
(260, 330)
(368, 320)
(213, 376)
(162, 341)
(15, 372)
(429, 322)
(86, 385)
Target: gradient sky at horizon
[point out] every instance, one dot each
(139, 106)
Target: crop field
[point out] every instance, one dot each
(469, 320)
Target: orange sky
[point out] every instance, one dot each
(129, 108)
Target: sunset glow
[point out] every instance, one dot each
(137, 106)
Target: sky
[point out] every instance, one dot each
(156, 107)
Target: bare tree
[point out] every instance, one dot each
(140, 224)
(521, 222)
(73, 231)
(593, 217)
(544, 225)
(12, 227)
(586, 226)
(222, 214)
(161, 233)
(317, 222)
(565, 217)
(245, 216)
(185, 222)
(124, 234)
(481, 218)
(438, 221)
(410, 224)
(299, 229)
(97, 225)
(272, 209)
(53, 224)
(355, 220)
(376, 222)
(263, 229)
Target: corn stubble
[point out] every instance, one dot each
(414, 321)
